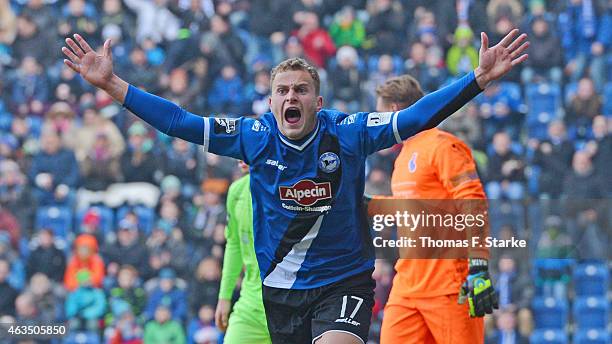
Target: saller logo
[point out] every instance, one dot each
(305, 192)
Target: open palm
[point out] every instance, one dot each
(96, 68)
(496, 61)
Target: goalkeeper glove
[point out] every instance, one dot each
(478, 289)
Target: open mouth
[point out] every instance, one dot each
(292, 115)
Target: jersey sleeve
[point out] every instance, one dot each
(457, 170)
(238, 138)
(233, 137)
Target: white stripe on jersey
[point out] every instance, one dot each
(285, 272)
(398, 139)
(206, 134)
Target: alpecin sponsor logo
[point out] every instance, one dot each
(306, 192)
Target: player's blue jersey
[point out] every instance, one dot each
(308, 232)
(310, 228)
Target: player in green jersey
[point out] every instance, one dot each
(247, 322)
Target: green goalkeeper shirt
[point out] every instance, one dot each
(240, 251)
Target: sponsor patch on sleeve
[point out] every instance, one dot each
(379, 118)
(226, 126)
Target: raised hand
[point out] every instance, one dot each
(498, 60)
(95, 68)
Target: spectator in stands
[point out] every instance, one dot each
(79, 19)
(100, 168)
(505, 173)
(584, 106)
(94, 124)
(426, 65)
(208, 211)
(424, 29)
(47, 296)
(385, 25)
(346, 29)
(506, 331)
(384, 70)
(545, 57)
(582, 182)
(202, 329)
(61, 118)
(226, 94)
(513, 285)
(27, 311)
(85, 258)
(17, 276)
(8, 32)
(257, 93)
(586, 34)
(45, 257)
(124, 328)
(85, 305)
(462, 57)
(465, 13)
(113, 13)
(346, 80)
(500, 108)
(14, 194)
(29, 82)
(318, 45)
(31, 41)
(154, 20)
(129, 291)
(600, 149)
(466, 125)
(163, 329)
(553, 156)
(10, 227)
(8, 292)
(137, 162)
(181, 90)
(127, 249)
(167, 295)
(511, 9)
(204, 287)
(54, 173)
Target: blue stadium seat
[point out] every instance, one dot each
(550, 313)
(591, 279)
(146, 217)
(57, 218)
(592, 336)
(107, 220)
(607, 98)
(591, 312)
(548, 337)
(543, 102)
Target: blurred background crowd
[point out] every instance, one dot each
(119, 230)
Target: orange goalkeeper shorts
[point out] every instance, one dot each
(431, 320)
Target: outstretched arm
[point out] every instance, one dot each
(97, 69)
(495, 62)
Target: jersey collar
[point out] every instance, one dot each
(299, 145)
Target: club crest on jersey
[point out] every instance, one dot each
(225, 125)
(412, 165)
(329, 162)
(306, 192)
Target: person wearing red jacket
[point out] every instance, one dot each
(85, 257)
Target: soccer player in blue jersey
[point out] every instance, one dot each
(307, 178)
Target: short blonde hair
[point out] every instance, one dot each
(403, 90)
(297, 63)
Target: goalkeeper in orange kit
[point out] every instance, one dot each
(427, 301)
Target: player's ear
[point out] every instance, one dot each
(270, 101)
(319, 103)
(395, 107)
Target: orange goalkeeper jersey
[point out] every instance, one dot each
(434, 165)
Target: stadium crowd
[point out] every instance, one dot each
(119, 230)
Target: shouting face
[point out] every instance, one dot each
(295, 103)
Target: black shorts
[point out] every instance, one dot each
(302, 316)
